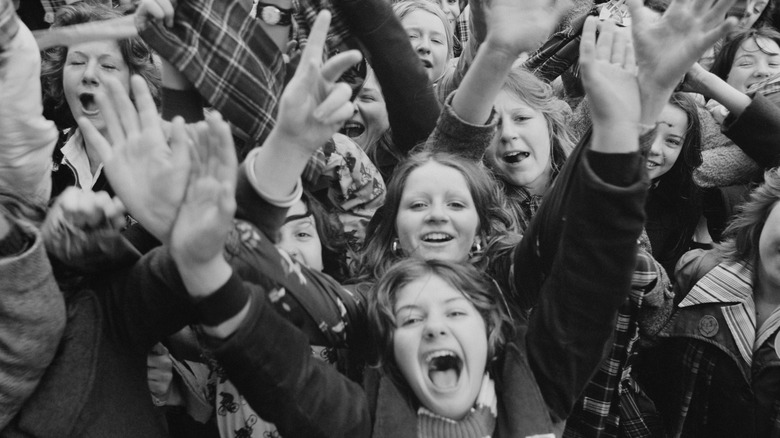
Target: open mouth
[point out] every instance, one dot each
(652, 164)
(426, 63)
(515, 157)
(444, 368)
(353, 129)
(436, 238)
(88, 103)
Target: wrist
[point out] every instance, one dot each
(502, 50)
(203, 278)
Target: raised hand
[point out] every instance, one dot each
(667, 47)
(148, 176)
(609, 72)
(313, 105)
(312, 108)
(206, 214)
(521, 26)
(150, 10)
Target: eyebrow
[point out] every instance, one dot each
(414, 306)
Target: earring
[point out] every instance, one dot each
(476, 247)
(394, 247)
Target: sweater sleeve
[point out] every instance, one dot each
(594, 220)
(32, 320)
(454, 135)
(270, 363)
(756, 131)
(411, 103)
(27, 139)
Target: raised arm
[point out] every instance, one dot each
(753, 124)
(27, 139)
(601, 197)
(412, 107)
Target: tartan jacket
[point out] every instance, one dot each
(714, 374)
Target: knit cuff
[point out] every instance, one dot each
(15, 242)
(285, 202)
(223, 304)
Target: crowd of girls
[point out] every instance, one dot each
(409, 239)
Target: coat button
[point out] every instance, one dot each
(708, 326)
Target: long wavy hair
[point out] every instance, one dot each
(475, 285)
(741, 237)
(495, 222)
(135, 52)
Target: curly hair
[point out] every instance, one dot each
(474, 284)
(724, 59)
(135, 52)
(495, 222)
(741, 237)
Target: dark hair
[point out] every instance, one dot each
(136, 53)
(741, 237)
(332, 239)
(494, 220)
(675, 192)
(475, 285)
(724, 59)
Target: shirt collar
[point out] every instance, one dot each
(75, 155)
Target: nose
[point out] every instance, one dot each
(437, 213)
(508, 130)
(90, 75)
(423, 45)
(656, 150)
(435, 328)
(762, 70)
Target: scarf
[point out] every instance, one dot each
(480, 422)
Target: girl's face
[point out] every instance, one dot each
(86, 66)
(753, 11)
(768, 248)
(436, 217)
(429, 39)
(299, 237)
(521, 149)
(370, 121)
(751, 65)
(440, 345)
(672, 125)
(452, 9)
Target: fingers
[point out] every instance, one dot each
(86, 209)
(629, 63)
(121, 105)
(180, 143)
(588, 41)
(638, 13)
(336, 107)
(147, 110)
(167, 7)
(316, 40)
(605, 39)
(224, 163)
(337, 65)
(620, 42)
(91, 135)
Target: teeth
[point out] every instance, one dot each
(437, 237)
(439, 353)
(514, 157)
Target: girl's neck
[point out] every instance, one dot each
(766, 295)
(92, 155)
